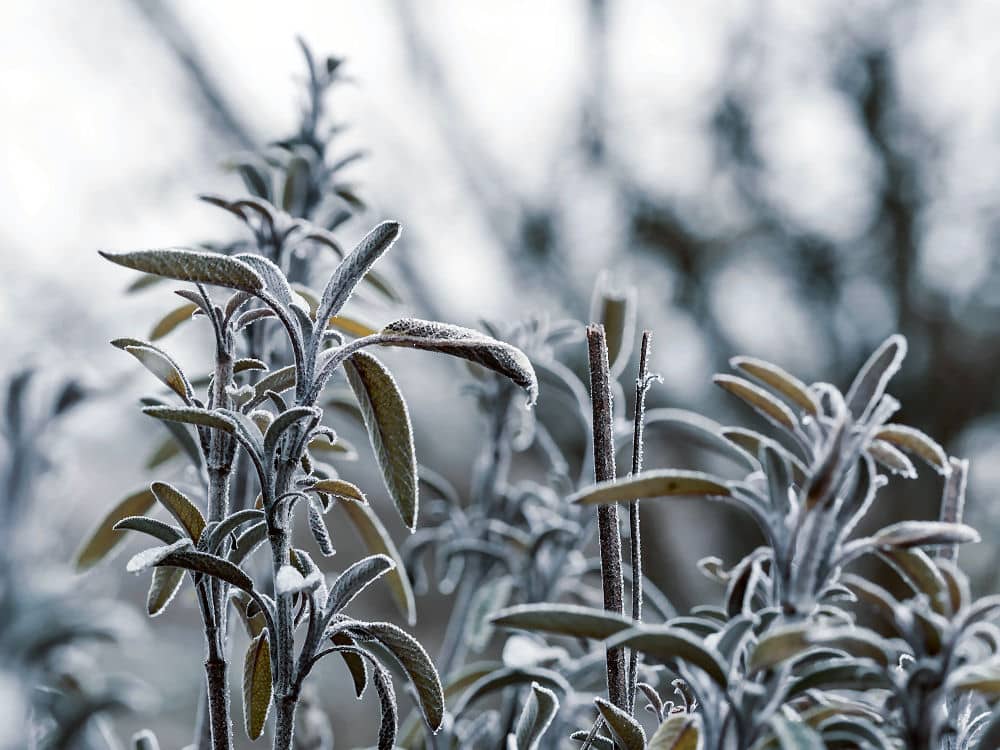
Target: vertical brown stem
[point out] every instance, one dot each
(953, 502)
(607, 515)
(642, 383)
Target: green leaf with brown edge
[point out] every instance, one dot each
(340, 488)
(172, 319)
(465, 343)
(681, 731)
(162, 589)
(159, 364)
(652, 484)
(762, 402)
(104, 538)
(181, 507)
(779, 381)
(626, 730)
(191, 265)
(916, 442)
(536, 717)
(416, 663)
(664, 642)
(256, 685)
(387, 421)
(377, 540)
(562, 619)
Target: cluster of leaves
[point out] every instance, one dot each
(786, 659)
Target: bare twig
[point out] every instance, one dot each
(607, 515)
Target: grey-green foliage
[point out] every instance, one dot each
(274, 421)
(56, 694)
(783, 661)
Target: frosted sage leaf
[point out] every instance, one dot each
(162, 589)
(191, 265)
(278, 381)
(181, 555)
(507, 677)
(355, 663)
(918, 570)
(354, 580)
(191, 415)
(891, 458)
(340, 488)
(285, 421)
(181, 508)
(467, 344)
(759, 400)
(172, 319)
(680, 731)
(980, 678)
(103, 539)
(856, 641)
(626, 729)
(256, 685)
(921, 533)
(597, 742)
(154, 555)
(378, 541)
(319, 531)
(562, 619)
(916, 442)
(781, 382)
(156, 529)
(274, 280)
(779, 644)
(706, 432)
(387, 421)
(353, 267)
(417, 665)
(874, 376)
(666, 643)
(158, 363)
(794, 735)
(652, 484)
(536, 716)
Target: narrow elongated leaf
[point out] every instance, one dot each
(874, 376)
(191, 265)
(664, 642)
(158, 363)
(378, 541)
(231, 523)
(156, 529)
(562, 619)
(680, 731)
(353, 268)
(387, 421)
(104, 538)
(507, 677)
(916, 442)
(781, 382)
(191, 415)
(354, 580)
(417, 665)
(762, 402)
(354, 662)
(703, 431)
(342, 489)
(626, 730)
(256, 685)
(278, 381)
(892, 458)
(350, 326)
(778, 644)
(285, 421)
(172, 319)
(319, 531)
(181, 508)
(536, 716)
(921, 533)
(274, 280)
(179, 556)
(615, 310)
(467, 344)
(652, 484)
(162, 589)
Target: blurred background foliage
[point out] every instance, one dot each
(788, 180)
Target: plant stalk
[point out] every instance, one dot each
(607, 515)
(642, 383)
